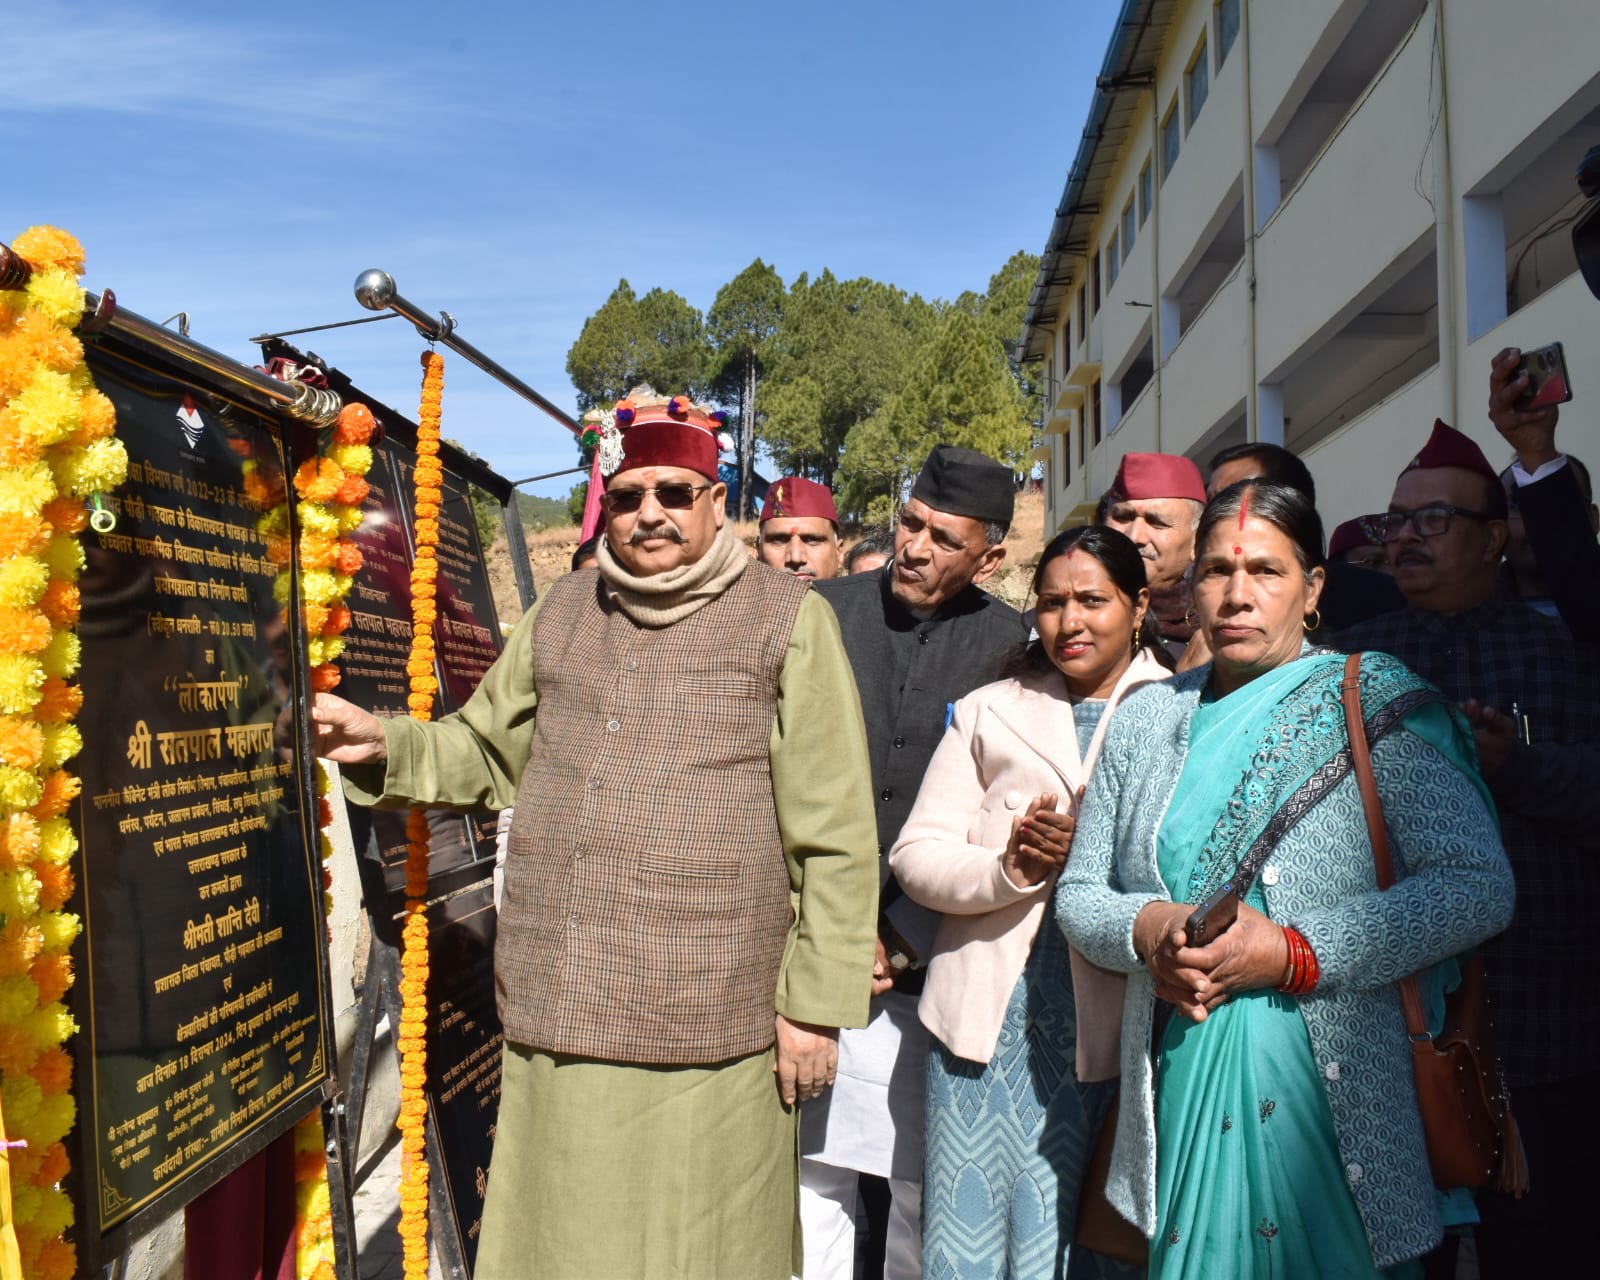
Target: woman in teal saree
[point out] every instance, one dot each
(1268, 1126)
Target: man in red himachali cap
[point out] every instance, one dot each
(1532, 697)
(691, 898)
(1156, 500)
(800, 529)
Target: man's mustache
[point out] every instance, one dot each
(1414, 556)
(670, 532)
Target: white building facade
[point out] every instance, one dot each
(1314, 222)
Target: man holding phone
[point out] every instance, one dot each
(1553, 507)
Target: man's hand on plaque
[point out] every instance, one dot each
(345, 733)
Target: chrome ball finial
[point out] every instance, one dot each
(375, 289)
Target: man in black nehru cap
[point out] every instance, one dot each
(919, 635)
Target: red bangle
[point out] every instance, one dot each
(1304, 971)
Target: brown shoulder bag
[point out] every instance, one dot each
(1471, 1134)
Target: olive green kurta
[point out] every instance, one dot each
(564, 1144)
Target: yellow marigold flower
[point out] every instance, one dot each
(26, 1201)
(62, 656)
(48, 408)
(58, 294)
(25, 489)
(21, 679)
(54, 1119)
(98, 467)
(56, 843)
(317, 520)
(354, 458)
(22, 581)
(349, 519)
(45, 248)
(50, 1025)
(60, 929)
(54, 1214)
(18, 998)
(61, 743)
(63, 556)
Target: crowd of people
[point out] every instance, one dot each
(842, 898)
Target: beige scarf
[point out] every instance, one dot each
(661, 599)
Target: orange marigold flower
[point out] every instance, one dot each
(316, 551)
(21, 742)
(316, 614)
(356, 424)
(347, 558)
(339, 620)
(22, 535)
(20, 944)
(99, 417)
(58, 790)
(58, 701)
(19, 841)
(325, 679)
(24, 631)
(53, 1071)
(52, 974)
(60, 602)
(55, 884)
(65, 514)
(318, 479)
(54, 1165)
(353, 492)
(44, 247)
(56, 1259)
(18, 1050)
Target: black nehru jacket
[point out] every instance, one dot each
(909, 672)
(1557, 518)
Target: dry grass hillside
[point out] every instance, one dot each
(550, 551)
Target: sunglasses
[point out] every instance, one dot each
(672, 497)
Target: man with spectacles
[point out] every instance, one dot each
(1532, 696)
(920, 635)
(690, 896)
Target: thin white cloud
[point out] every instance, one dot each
(271, 73)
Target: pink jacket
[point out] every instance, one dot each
(1007, 742)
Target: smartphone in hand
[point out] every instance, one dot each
(1546, 368)
(1213, 917)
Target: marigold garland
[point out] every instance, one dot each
(412, 1039)
(57, 448)
(330, 488)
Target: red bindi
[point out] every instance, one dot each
(1238, 551)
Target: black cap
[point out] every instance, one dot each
(964, 482)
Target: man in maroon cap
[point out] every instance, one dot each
(1156, 500)
(690, 896)
(800, 529)
(1532, 694)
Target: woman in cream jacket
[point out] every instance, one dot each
(1027, 1032)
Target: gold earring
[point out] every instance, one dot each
(1313, 622)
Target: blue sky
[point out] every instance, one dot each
(510, 162)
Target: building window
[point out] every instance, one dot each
(1066, 345)
(1083, 440)
(1227, 28)
(1128, 223)
(1094, 280)
(1144, 193)
(1171, 132)
(1083, 319)
(1062, 445)
(1094, 407)
(1113, 261)
(1197, 83)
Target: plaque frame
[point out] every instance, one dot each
(222, 387)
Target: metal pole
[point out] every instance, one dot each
(101, 313)
(375, 290)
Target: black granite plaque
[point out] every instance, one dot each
(466, 640)
(464, 1048)
(201, 987)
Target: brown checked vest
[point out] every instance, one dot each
(646, 902)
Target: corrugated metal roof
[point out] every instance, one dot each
(1128, 69)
